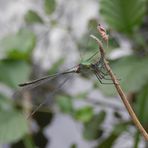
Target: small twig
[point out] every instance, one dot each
(120, 91)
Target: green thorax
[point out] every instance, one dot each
(86, 64)
(85, 67)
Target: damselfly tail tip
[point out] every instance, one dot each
(21, 85)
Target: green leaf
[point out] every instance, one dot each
(108, 142)
(123, 15)
(13, 126)
(5, 103)
(32, 17)
(18, 46)
(92, 128)
(141, 105)
(13, 72)
(49, 6)
(141, 109)
(84, 114)
(73, 146)
(65, 104)
(133, 74)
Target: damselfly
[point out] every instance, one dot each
(97, 68)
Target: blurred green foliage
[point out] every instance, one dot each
(109, 141)
(31, 17)
(141, 104)
(13, 126)
(14, 72)
(15, 68)
(65, 104)
(127, 17)
(122, 16)
(92, 129)
(49, 6)
(19, 45)
(15, 65)
(132, 72)
(84, 114)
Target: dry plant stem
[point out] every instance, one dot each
(120, 92)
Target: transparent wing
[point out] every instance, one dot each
(45, 100)
(38, 82)
(45, 79)
(44, 95)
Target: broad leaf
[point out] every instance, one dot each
(141, 105)
(133, 73)
(13, 126)
(73, 146)
(65, 104)
(32, 17)
(123, 15)
(14, 72)
(84, 114)
(92, 129)
(109, 141)
(18, 46)
(5, 103)
(49, 6)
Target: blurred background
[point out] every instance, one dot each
(42, 37)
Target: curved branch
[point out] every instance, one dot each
(120, 91)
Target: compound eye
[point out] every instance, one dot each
(93, 65)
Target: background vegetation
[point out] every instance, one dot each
(126, 19)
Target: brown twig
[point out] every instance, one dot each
(120, 91)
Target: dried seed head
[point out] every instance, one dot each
(103, 33)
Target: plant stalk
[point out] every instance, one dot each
(120, 91)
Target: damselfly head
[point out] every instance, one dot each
(78, 69)
(83, 67)
(92, 66)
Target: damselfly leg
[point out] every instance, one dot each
(100, 77)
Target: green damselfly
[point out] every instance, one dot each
(97, 68)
